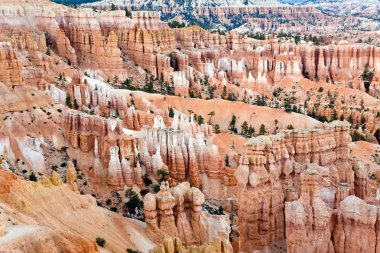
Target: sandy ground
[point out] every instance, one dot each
(367, 152)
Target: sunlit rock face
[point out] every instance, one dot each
(10, 73)
(303, 165)
(177, 211)
(308, 218)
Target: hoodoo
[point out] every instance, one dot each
(189, 126)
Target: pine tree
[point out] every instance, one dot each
(217, 129)
(232, 126)
(262, 130)
(171, 112)
(377, 135)
(68, 102)
(351, 119)
(244, 128)
(76, 106)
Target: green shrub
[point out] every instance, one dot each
(164, 175)
(147, 180)
(134, 201)
(144, 192)
(217, 129)
(100, 241)
(132, 251)
(32, 177)
(156, 188)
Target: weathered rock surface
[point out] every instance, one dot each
(308, 218)
(31, 221)
(174, 245)
(177, 212)
(271, 173)
(10, 65)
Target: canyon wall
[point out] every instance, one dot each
(10, 65)
(174, 245)
(178, 212)
(102, 43)
(270, 174)
(123, 155)
(314, 226)
(308, 218)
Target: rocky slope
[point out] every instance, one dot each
(29, 219)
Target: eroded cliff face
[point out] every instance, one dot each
(134, 142)
(308, 218)
(120, 156)
(356, 228)
(73, 34)
(107, 44)
(314, 226)
(174, 245)
(278, 169)
(178, 212)
(10, 65)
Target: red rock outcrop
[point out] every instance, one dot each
(108, 145)
(10, 65)
(308, 218)
(95, 51)
(115, 148)
(177, 212)
(174, 245)
(357, 226)
(188, 158)
(269, 175)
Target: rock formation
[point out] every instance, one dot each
(308, 218)
(177, 212)
(33, 209)
(356, 229)
(299, 185)
(174, 245)
(269, 175)
(71, 176)
(55, 179)
(10, 65)
(180, 149)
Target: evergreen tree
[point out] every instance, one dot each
(232, 125)
(171, 112)
(224, 94)
(117, 113)
(68, 102)
(217, 129)
(351, 119)
(127, 12)
(76, 106)
(200, 120)
(377, 135)
(211, 114)
(262, 130)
